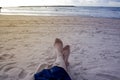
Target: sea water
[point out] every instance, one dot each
(107, 12)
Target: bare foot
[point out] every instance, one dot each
(66, 53)
(58, 45)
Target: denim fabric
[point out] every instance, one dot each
(55, 73)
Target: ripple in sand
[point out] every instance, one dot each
(6, 56)
(107, 76)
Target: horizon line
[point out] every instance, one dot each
(60, 6)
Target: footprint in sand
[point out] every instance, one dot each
(83, 51)
(98, 31)
(1, 47)
(22, 74)
(8, 49)
(15, 73)
(8, 68)
(117, 52)
(3, 76)
(107, 76)
(6, 56)
(3, 67)
(41, 67)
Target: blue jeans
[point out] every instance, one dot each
(54, 73)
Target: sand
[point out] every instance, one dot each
(27, 41)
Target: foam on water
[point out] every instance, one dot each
(109, 12)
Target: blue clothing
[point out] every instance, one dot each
(54, 73)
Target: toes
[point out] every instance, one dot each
(66, 51)
(67, 47)
(58, 45)
(57, 40)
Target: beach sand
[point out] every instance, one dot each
(27, 41)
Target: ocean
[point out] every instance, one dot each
(105, 12)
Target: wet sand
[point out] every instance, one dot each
(27, 41)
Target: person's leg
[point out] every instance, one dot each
(59, 70)
(58, 49)
(58, 46)
(62, 55)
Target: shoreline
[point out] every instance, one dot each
(58, 16)
(49, 15)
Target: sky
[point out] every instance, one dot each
(5, 3)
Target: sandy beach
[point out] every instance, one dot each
(27, 41)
